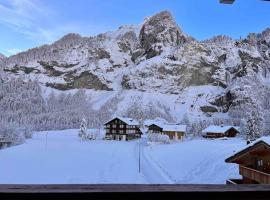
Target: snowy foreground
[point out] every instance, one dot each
(60, 157)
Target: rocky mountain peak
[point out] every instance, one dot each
(266, 35)
(2, 56)
(69, 38)
(160, 31)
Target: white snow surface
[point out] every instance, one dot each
(60, 157)
(199, 161)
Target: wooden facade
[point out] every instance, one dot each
(231, 132)
(122, 129)
(172, 133)
(155, 128)
(254, 164)
(5, 143)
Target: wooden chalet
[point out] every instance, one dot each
(220, 131)
(120, 128)
(174, 131)
(227, 1)
(5, 143)
(254, 163)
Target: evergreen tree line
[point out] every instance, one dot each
(22, 105)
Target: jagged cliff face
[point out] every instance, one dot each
(98, 62)
(155, 56)
(2, 57)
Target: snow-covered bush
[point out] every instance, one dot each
(9, 132)
(158, 138)
(28, 132)
(254, 126)
(83, 130)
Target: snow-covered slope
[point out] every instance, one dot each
(60, 157)
(154, 62)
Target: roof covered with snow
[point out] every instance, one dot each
(128, 121)
(218, 129)
(176, 128)
(265, 139)
(157, 121)
(170, 126)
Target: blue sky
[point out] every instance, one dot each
(26, 24)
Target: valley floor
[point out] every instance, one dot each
(61, 157)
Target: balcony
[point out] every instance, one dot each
(255, 175)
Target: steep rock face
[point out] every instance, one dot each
(74, 55)
(189, 64)
(158, 32)
(2, 57)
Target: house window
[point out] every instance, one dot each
(260, 163)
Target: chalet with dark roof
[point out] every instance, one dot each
(220, 131)
(254, 163)
(121, 128)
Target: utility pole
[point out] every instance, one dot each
(140, 155)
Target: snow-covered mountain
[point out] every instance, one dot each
(154, 64)
(2, 57)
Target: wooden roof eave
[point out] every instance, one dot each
(156, 125)
(114, 119)
(236, 156)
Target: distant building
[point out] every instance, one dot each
(220, 131)
(157, 120)
(254, 163)
(5, 142)
(174, 131)
(120, 128)
(227, 1)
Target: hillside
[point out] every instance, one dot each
(153, 70)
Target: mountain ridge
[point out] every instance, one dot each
(207, 78)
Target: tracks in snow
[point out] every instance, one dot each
(151, 171)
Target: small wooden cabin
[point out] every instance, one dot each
(120, 128)
(227, 1)
(154, 128)
(5, 143)
(174, 131)
(220, 131)
(254, 163)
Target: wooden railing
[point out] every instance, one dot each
(90, 188)
(260, 177)
(234, 181)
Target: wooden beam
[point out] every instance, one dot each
(85, 188)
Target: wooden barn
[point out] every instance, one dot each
(174, 131)
(120, 128)
(220, 131)
(254, 163)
